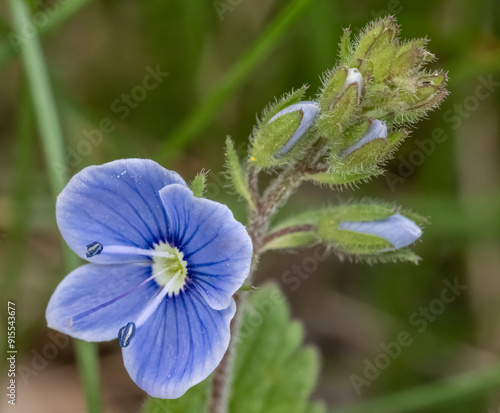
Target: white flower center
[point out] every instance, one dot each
(170, 267)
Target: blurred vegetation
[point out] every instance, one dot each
(224, 65)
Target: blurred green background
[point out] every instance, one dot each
(225, 61)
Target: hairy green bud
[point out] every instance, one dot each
(285, 136)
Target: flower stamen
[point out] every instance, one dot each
(126, 333)
(96, 248)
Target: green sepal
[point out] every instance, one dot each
(400, 255)
(352, 135)
(363, 158)
(343, 179)
(351, 242)
(365, 211)
(333, 85)
(417, 95)
(394, 139)
(374, 38)
(345, 46)
(272, 109)
(198, 184)
(271, 137)
(382, 56)
(410, 56)
(236, 173)
(331, 123)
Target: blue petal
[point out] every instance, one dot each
(397, 229)
(90, 286)
(114, 204)
(216, 246)
(179, 345)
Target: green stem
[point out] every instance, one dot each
(453, 390)
(52, 142)
(234, 78)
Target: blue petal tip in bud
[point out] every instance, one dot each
(377, 130)
(125, 334)
(397, 229)
(95, 248)
(309, 111)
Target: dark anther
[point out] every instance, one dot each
(94, 249)
(126, 333)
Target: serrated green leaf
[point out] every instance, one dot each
(236, 173)
(274, 373)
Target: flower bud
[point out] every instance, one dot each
(368, 229)
(376, 37)
(377, 130)
(284, 136)
(361, 149)
(376, 48)
(410, 55)
(398, 230)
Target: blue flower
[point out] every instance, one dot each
(397, 229)
(164, 266)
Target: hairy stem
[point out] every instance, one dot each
(223, 375)
(275, 196)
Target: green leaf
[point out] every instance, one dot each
(274, 373)
(198, 184)
(195, 400)
(236, 173)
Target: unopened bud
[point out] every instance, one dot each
(369, 229)
(284, 135)
(398, 230)
(377, 130)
